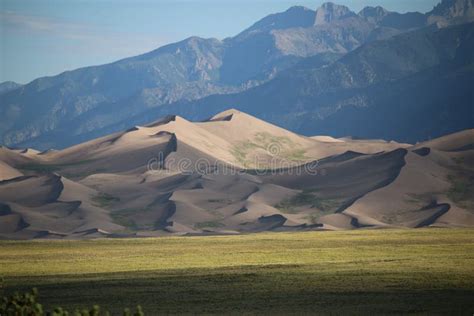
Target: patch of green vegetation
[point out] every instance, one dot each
(241, 150)
(314, 217)
(219, 201)
(208, 224)
(40, 168)
(284, 147)
(124, 217)
(104, 200)
(266, 139)
(459, 160)
(79, 175)
(459, 190)
(296, 155)
(286, 208)
(395, 217)
(289, 150)
(218, 215)
(47, 168)
(420, 200)
(462, 190)
(307, 198)
(422, 271)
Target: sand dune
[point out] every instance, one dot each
(232, 174)
(13, 157)
(455, 142)
(8, 172)
(420, 196)
(327, 139)
(338, 221)
(49, 206)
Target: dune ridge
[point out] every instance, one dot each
(232, 174)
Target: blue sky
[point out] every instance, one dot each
(47, 37)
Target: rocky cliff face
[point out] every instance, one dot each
(330, 12)
(452, 11)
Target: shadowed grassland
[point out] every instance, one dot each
(365, 271)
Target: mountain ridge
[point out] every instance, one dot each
(374, 74)
(97, 98)
(7, 86)
(329, 12)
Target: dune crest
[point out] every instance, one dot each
(231, 174)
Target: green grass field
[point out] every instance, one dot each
(366, 271)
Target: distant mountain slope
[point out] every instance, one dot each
(410, 87)
(453, 11)
(8, 86)
(89, 102)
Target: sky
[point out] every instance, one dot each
(46, 37)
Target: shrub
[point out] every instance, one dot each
(27, 305)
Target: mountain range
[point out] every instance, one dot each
(232, 174)
(374, 74)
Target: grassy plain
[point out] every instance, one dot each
(356, 272)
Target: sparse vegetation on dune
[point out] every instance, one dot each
(123, 217)
(71, 170)
(461, 191)
(127, 218)
(104, 200)
(209, 224)
(309, 199)
(277, 146)
(368, 271)
(46, 168)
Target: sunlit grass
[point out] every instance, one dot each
(294, 271)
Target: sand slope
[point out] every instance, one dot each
(8, 172)
(232, 174)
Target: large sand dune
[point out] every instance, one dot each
(8, 172)
(233, 174)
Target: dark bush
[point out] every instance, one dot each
(27, 305)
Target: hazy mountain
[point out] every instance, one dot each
(374, 14)
(7, 86)
(88, 102)
(453, 11)
(410, 87)
(330, 12)
(296, 16)
(46, 103)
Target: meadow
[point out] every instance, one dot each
(355, 272)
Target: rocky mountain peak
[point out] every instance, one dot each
(373, 14)
(329, 12)
(8, 86)
(450, 12)
(454, 8)
(296, 16)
